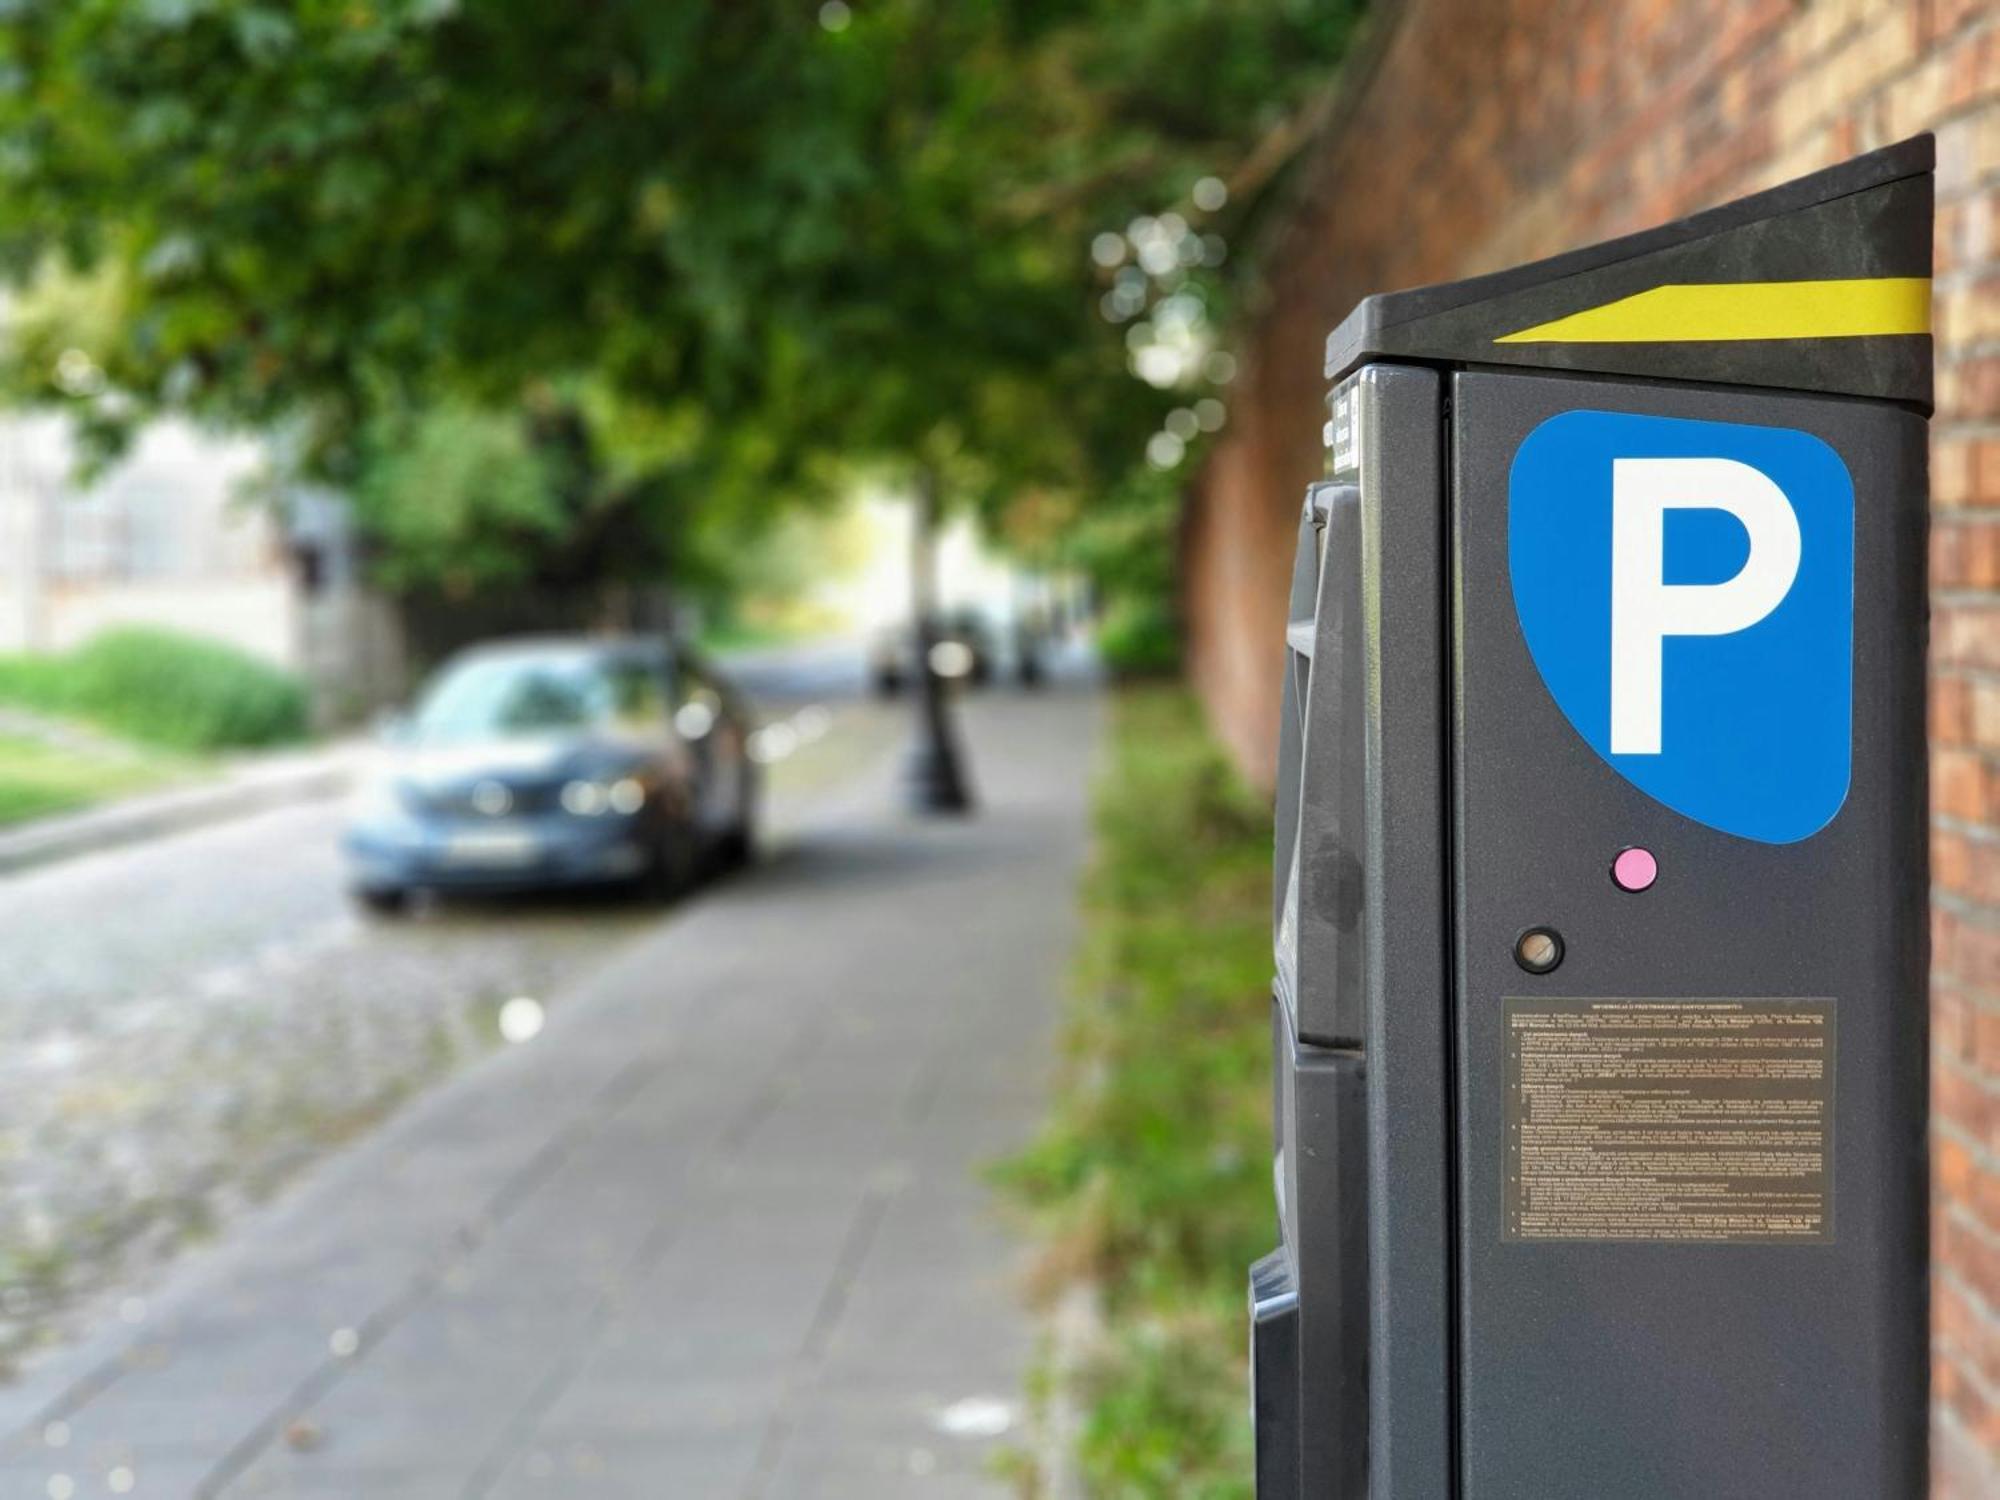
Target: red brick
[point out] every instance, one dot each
(1966, 866)
(1983, 711)
(1951, 711)
(1966, 312)
(1940, 18)
(1965, 551)
(1951, 1024)
(1973, 1256)
(1958, 784)
(1987, 1049)
(1953, 1168)
(1986, 1045)
(1951, 861)
(1961, 1097)
(1973, 954)
(1972, 68)
(1983, 1198)
(1969, 389)
(1966, 632)
(1965, 470)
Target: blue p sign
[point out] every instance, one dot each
(1687, 592)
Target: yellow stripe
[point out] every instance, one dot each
(1729, 310)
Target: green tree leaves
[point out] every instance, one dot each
(794, 245)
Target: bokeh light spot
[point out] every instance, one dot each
(521, 1019)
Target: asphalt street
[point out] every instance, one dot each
(714, 1230)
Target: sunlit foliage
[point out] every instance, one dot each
(785, 235)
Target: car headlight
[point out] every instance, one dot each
(694, 718)
(590, 799)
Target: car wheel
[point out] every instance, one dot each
(676, 863)
(383, 900)
(739, 844)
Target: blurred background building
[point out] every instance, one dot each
(160, 540)
(169, 539)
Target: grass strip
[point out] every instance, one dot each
(38, 779)
(1151, 1178)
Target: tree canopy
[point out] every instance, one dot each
(558, 273)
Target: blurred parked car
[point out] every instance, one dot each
(556, 762)
(963, 650)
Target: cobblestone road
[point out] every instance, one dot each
(185, 1023)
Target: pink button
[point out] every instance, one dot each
(1635, 869)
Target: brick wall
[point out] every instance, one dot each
(1487, 132)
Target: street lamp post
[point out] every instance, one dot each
(934, 779)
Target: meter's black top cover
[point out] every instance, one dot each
(1821, 284)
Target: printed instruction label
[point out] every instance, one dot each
(1343, 430)
(1669, 1120)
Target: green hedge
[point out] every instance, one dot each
(160, 688)
(1139, 638)
(1152, 1177)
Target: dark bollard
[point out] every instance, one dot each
(934, 776)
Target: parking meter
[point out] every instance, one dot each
(1600, 893)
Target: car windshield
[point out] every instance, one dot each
(524, 697)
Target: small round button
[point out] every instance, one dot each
(1634, 869)
(1539, 949)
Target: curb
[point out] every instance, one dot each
(1075, 1326)
(49, 841)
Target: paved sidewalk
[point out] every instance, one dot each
(716, 1232)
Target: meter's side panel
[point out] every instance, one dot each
(1399, 466)
(1327, 1179)
(1291, 710)
(1321, 939)
(1692, 1174)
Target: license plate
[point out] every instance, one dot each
(490, 846)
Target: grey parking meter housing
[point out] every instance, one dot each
(1600, 889)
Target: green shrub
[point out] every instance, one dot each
(161, 688)
(1152, 1176)
(1139, 638)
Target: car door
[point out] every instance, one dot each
(642, 687)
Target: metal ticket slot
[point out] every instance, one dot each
(1600, 885)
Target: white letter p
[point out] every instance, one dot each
(1645, 609)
